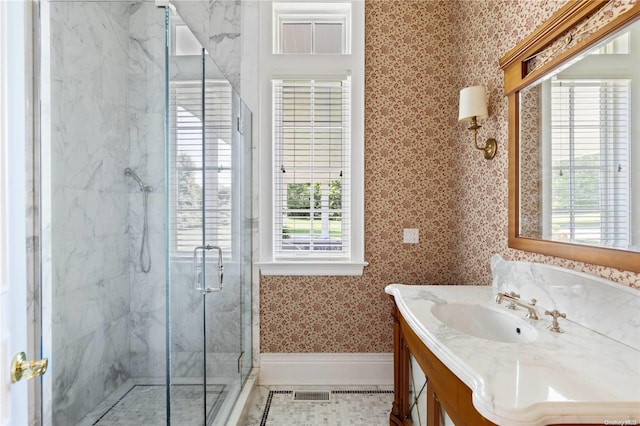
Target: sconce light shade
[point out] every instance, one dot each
(473, 107)
(473, 103)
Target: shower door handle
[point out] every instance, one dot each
(198, 269)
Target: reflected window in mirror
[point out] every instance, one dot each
(578, 160)
(588, 163)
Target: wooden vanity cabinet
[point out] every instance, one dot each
(444, 389)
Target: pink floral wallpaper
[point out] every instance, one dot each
(421, 171)
(494, 27)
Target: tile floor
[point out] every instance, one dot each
(348, 405)
(145, 404)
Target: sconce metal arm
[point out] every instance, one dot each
(490, 146)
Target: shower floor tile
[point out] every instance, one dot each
(145, 405)
(353, 405)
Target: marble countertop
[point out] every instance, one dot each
(578, 376)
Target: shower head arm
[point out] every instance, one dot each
(129, 172)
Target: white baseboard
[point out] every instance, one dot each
(326, 369)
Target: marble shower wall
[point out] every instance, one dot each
(219, 34)
(223, 322)
(107, 114)
(89, 205)
(146, 156)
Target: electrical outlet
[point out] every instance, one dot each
(411, 236)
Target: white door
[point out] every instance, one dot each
(13, 287)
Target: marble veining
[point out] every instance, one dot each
(105, 113)
(102, 315)
(579, 376)
(596, 303)
(145, 72)
(85, 149)
(220, 34)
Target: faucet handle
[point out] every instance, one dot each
(555, 314)
(533, 302)
(512, 304)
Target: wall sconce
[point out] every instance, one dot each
(473, 106)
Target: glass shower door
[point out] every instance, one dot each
(134, 322)
(206, 244)
(101, 201)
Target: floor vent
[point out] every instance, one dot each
(312, 396)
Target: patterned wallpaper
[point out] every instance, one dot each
(421, 171)
(531, 162)
(482, 229)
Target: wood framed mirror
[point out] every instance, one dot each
(567, 183)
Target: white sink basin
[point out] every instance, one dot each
(485, 322)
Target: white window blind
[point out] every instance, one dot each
(590, 167)
(200, 171)
(312, 176)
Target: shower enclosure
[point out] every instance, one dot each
(145, 220)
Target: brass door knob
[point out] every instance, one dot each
(21, 368)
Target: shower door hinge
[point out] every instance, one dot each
(240, 362)
(240, 125)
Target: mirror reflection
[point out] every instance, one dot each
(579, 149)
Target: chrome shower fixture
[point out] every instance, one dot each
(144, 188)
(145, 254)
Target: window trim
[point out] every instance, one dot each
(273, 66)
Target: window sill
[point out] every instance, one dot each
(323, 268)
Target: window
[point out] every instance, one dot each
(312, 28)
(312, 37)
(311, 120)
(198, 169)
(312, 201)
(589, 162)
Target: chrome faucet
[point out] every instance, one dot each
(513, 299)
